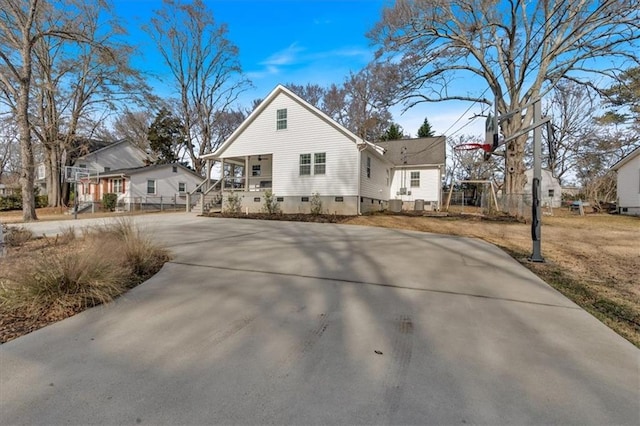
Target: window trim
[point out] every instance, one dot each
(317, 164)
(184, 190)
(281, 119)
(414, 179)
(117, 185)
(155, 187)
(306, 165)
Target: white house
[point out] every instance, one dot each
(550, 188)
(294, 149)
(418, 169)
(118, 155)
(158, 184)
(628, 172)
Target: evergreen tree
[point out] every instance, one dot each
(425, 131)
(165, 137)
(394, 132)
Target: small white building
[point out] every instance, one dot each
(156, 185)
(550, 188)
(628, 183)
(295, 150)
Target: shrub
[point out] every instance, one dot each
(271, 205)
(233, 203)
(109, 201)
(15, 237)
(42, 201)
(316, 204)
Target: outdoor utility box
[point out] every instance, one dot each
(395, 206)
(419, 205)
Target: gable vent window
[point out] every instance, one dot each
(175, 169)
(281, 119)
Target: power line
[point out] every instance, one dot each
(500, 74)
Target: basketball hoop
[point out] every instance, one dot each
(473, 146)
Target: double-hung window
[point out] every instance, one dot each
(182, 187)
(415, 179)
(151, 186)
(117, 186)
(255, 170)
(319, 163)
(281, 119)
(368, 167)
(305, 164)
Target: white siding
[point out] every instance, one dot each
(548, 183)
(166, 182)
(629, 186)
(375, 186)
(429, 189)
(119, 156)
(306, 133)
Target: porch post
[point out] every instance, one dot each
(246, 173)
(208, 174)
(222, 174)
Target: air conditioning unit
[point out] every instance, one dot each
(403, 191)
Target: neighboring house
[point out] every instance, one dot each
(550, 188)
(101, 156)
(136, 187)
(118, 155)
(628, 171)
(294, 149)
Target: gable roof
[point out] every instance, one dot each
(143, 169)
(92, 146)
(630, 156)
(265, 103)
(419, 151)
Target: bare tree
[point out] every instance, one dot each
(572, 109)
(9, 145)
(312, 93)
(519, 49)
(132, 126)
(205, 69)
(77, 84)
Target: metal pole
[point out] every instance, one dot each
(75, 200)
(536, 208)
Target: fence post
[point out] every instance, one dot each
(161, 207)
(188, 202)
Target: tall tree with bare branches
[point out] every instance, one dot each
(78, 84)
(519, 49)
(205, 70)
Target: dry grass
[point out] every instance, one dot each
(45, 280)
(594, 259)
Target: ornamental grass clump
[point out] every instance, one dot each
(59, 280)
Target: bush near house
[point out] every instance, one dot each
(109, 201)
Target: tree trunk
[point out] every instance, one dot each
(52, 163)
(27, 170)
(514, 171)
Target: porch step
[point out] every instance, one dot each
(212, 203)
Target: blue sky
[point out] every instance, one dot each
(296, 41)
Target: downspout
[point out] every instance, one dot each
(361, 147)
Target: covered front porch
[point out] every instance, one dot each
(249, 175)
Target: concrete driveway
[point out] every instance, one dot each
(257, 322)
